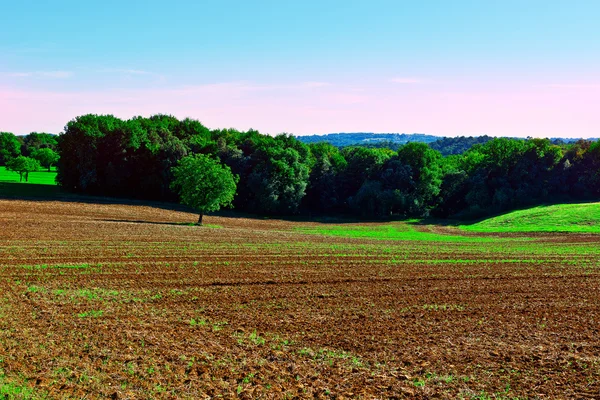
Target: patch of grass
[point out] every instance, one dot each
(328, 356)
(58, 266)
(10, 390)
(36, 178)
(198, 322)
(91, 314)
(36, 289)
(583, 218)
(251, 339)
(390, 231)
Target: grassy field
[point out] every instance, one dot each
(39, 177)
(391, 231)
(556, 218)
(576, 218)
(127, 301)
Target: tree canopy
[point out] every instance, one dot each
(46, 156)
(203, 183)
(102, 154)
(10, 147)
(23, 165)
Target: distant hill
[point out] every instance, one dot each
(457, 145)
(445, 145)
(365, 138)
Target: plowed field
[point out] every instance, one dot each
(126, 301)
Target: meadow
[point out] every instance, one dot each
(128, 301)
(42, 177)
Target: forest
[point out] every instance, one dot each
(137, 158)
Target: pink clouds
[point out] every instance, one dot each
(320, 107)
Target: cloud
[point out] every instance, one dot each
(42, 74)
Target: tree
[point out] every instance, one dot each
(23, 165)
(322, 193)
(35, 141)
(10, 147)
(46, 156)
(362, 164)
(273, 171)
(278, 182)
(423, 167)
(82, 164)
(204, 184)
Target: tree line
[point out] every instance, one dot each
(25, 154)
(150, 158)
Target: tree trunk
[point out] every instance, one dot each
(26, 176)
(200, 220)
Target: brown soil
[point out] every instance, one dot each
(125, 301)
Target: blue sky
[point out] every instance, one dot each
(513, 68)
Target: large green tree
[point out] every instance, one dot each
(322, 193)
(204, 184)
(362, 164)
(84, 155)
(407, 184)
(23, 165)
(10, 147)
(46, 156)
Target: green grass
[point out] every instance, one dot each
(584, 218)
(391, 231)
(581, 218)
(11, 390)
(39, 177)
(91, 314)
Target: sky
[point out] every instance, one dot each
(448, 68)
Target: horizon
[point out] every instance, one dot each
(383, 133)
(460, 69)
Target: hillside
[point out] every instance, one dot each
(583, 218)
(443, 144)
(362, 138)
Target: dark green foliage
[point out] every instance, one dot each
(407, 184)
(506, 173)
(362, 164)
(83, 156)
(584, 169)
(10, 147)
(323, 194)
(457, 145)
(274, 173)
(281, 175)
(36, 141)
